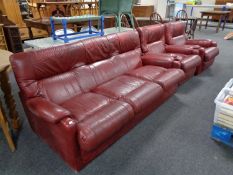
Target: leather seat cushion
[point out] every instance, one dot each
(211, 53)
(137, 92)
(98, 118)
(167, 78)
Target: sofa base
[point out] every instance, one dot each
(87, 157)
(204, 66)
(80, 159)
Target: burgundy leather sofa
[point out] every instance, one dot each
(82, 97)
(175, 37)
(156, 53)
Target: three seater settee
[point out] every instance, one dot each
(82, 97)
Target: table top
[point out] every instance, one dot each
(216, 12)
(65, 3)
(4, 59)
(210, 6)
(46, 21)
(165, 19)
(49, 42)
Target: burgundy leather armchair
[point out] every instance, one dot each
(175, 38)
(156, 53)
(82, 97)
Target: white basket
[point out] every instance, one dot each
(224, 112)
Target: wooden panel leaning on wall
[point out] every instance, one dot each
(11, 9)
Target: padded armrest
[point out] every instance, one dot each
(202, 42)
(47, 110)
(182, 49)
(165, 61)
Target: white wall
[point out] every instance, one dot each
(196, 10)
(160, 6)
(149, 2)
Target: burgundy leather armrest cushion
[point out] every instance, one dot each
(47, 110)
(158, 60)
(182, 49)
(202, 42)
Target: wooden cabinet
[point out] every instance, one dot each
(143, 10)
(223, 2)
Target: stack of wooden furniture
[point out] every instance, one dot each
(12, 35)
(3, 44)
(11, 9)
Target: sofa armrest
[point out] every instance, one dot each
(202, 42)
(47, 110)
(182, 49)
(165, 61)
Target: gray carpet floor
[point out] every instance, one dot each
(174, 139)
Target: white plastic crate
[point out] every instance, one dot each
(224, 112)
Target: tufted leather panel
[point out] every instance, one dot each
(86, 104)
(97, 49)
(30, 67)
(123, 42)
(103, 123)
(137, 92)
(167, 78)
(106, 70)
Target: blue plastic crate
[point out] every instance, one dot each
(222, 135)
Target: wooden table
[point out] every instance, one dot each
(65, 4)
(9, 100)
(44, 24)
(221, 15)
(142, 21)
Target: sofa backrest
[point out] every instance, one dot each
(62, 72)
(152, 38)
(175, 33)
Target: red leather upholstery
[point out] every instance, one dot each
(137, 92)
(155, 53)
(167, 78)
(175, 35)
(82, 97)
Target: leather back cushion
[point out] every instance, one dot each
(31, 67)
(62, 72)
(175, 33)
(123, 42)
(126, 56)
(97, 49)
(152, 38)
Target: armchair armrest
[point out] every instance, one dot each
(202, 42)
(187, 50)
(47, 110)
(165, 61)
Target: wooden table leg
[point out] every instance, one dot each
(225, 19)
(30, 32)
(219, 23)
(201, 21)
(8, 97)
(208, 17)
(5, 128)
